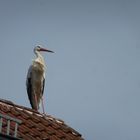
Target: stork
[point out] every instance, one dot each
(36, 79)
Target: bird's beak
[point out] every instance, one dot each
(46, 50)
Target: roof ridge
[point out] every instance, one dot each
(29, 110)
(19, 106)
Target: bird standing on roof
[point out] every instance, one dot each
(36, 79)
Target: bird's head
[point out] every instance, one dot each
(39, 48)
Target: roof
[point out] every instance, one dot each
(36, 126)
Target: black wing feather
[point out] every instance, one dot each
(29, 90)
(29, 86)
(43, 86)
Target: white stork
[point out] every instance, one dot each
(36, 79)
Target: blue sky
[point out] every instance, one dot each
(92, 80)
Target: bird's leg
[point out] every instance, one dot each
(36, 102)
(42, 102)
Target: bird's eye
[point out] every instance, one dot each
(38, 47)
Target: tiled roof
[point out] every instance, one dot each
(36, 126)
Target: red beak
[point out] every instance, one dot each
(46, 50)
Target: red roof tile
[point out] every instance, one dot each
(36, 126)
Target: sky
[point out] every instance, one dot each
(92, 79)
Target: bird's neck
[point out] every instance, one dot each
(39, 59)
